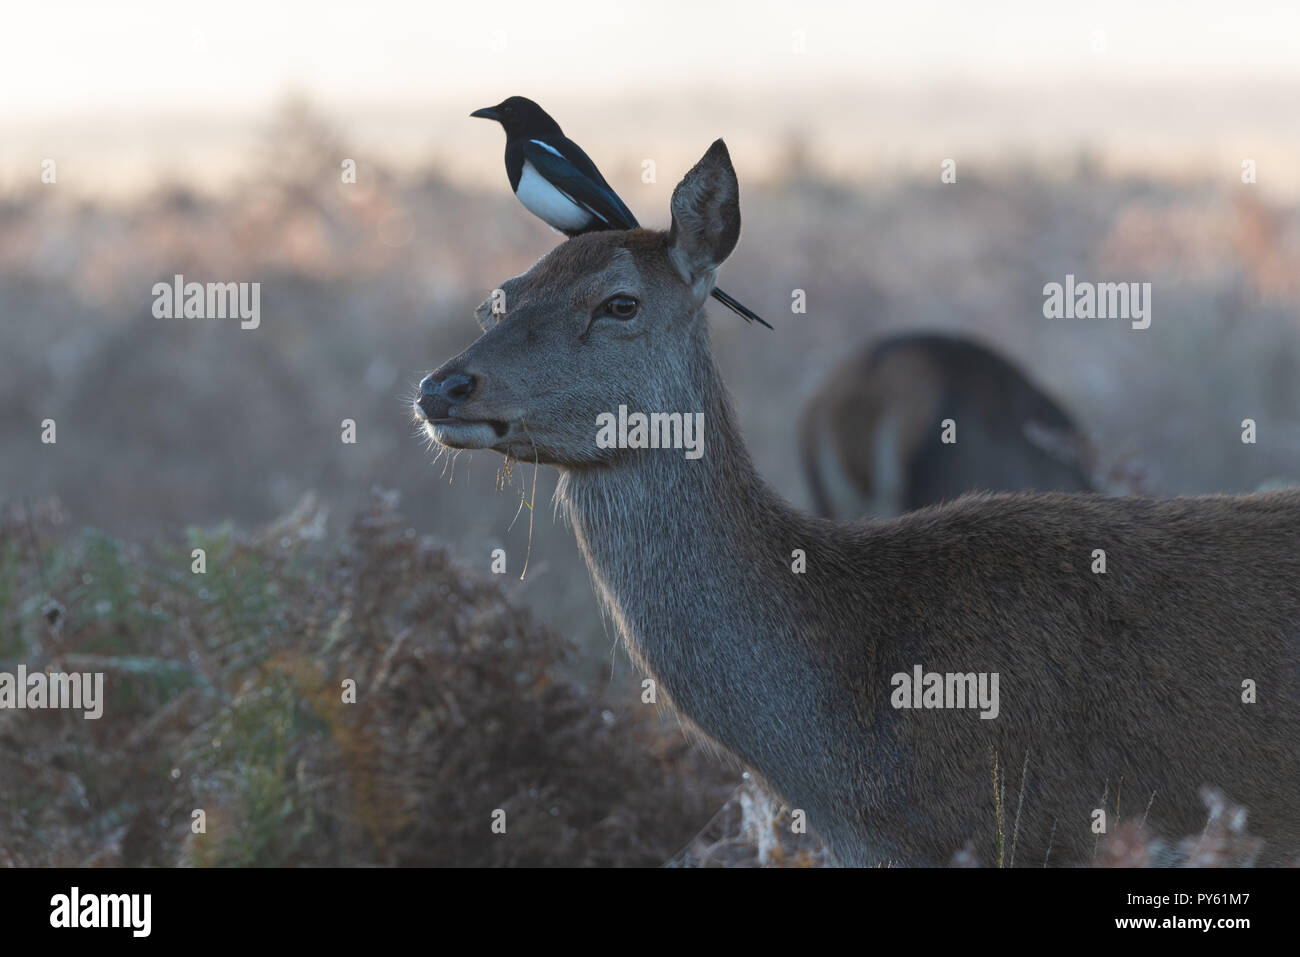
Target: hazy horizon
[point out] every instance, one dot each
(126, 99)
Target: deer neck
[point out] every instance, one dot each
(690, 555)
(692, 560)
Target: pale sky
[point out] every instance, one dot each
(129, 90)
(234, 55)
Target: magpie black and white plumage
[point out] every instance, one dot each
(559, 184)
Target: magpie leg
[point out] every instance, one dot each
(738, 308)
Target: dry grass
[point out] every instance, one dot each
(224, 694)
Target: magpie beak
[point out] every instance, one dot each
(559, 184)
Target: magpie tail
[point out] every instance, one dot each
(739, 308)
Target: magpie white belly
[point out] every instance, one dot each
(548, 204)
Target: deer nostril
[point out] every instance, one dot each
(458, 388)
(440, 394)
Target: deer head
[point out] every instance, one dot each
(604, 319)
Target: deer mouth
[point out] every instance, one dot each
(467, 433)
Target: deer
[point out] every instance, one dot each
(872, 437)
(1138, 649)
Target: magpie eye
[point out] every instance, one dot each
(619, 307)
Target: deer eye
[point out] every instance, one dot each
(619, 307)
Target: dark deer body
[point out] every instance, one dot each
(1113, 686)
(871, 436)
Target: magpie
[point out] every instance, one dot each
(559, 184)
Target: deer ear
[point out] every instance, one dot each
(706, 219)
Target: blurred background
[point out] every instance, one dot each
(1106, 141)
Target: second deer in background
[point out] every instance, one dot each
(872, 437)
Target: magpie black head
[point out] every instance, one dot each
(520, 117)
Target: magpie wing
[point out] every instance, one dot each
(576, 176)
